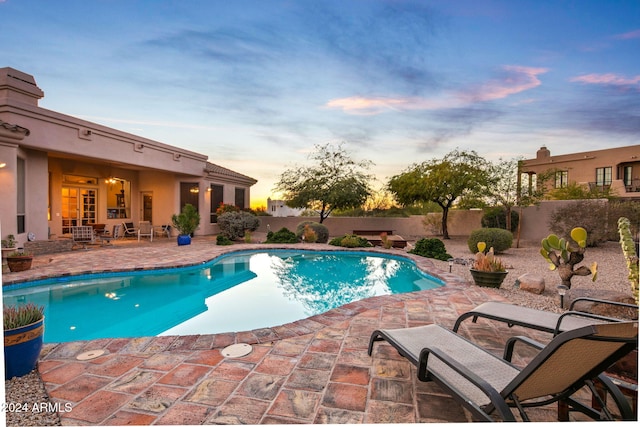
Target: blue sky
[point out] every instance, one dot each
(255, 84)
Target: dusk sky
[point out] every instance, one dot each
(256, 84)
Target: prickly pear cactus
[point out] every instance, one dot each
(630, 255)
(563, 255)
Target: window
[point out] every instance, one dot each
(240, 198)
(189, 193)
(562, 179)
(217, 195)
(627, 176)
(21, 192)
(118, 198)
(603, 176)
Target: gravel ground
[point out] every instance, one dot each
(612, 276)
(612, 272)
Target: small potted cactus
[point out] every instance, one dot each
(487, 269)
(563, 256)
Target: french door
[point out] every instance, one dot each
(78, 207)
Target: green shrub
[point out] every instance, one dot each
(497, 218)
(222, 240)
(601, 222)
(233, 224)
(284, 235)
(497, 238)
(350, 241)
(322, 232)
(431, 248)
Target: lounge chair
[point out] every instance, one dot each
(145, 229)
(489, 386)
(83, 234)
(538, 319)
(129, 230)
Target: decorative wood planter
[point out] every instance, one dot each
(489, 279)
(19, 263)
(22, 348)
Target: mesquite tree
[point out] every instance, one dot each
(333, 181)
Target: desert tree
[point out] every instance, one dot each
(442, 181)
(332, 180)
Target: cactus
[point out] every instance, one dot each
(487, 261)
(630, 255)
(563, 256)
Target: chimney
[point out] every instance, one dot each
(543, 153)
(16, 86)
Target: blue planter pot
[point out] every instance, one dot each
(184, 239)
(22, 348)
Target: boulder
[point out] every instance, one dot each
(600, 308)
(531, 283)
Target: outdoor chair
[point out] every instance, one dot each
(163, 230)
(145, 229)
(541, 320)
(129, 230)
(489, 386)
(82, 234)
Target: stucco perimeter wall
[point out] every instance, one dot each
(534, 222)
(460, 224)
(534, 225)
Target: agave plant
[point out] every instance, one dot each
(18, 316)
(563, 255)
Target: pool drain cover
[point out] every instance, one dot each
(88, 355)
(236, 350)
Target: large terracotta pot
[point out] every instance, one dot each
(19, 263)
(489, 279)
(22, 348)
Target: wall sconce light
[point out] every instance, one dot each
(2, 165)
(209, 189)
(194, 190)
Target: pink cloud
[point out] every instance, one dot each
(515, 79)
(607, 79)
(635, 34)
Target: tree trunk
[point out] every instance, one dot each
(445, 215)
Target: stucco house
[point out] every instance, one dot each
(57, 171)
(615, 169)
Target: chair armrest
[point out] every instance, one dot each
(511, 342)
(581, 314)
(494, 395)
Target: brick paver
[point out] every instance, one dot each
(312, 371)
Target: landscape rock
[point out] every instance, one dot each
(530, 282)
(600, 308)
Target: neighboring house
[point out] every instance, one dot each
(57, 171)
(280, 208)
(616, 169)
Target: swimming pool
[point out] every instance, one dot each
(235, 292)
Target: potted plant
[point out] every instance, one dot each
(487, 269)
(186, 223)
(23, 337)
(8, 246)
(19, 260)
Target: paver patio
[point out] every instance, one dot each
(314, 370)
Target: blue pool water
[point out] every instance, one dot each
(236, 292)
